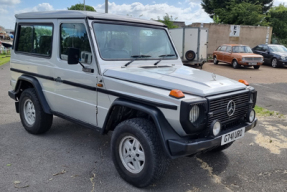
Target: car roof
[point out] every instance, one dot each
(232, 45)
(71, 14)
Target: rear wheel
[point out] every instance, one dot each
(137, 152)
(33, 118)
(235, 64)
(215, 61)
(256, 67)
(274, 63)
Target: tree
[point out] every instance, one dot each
(80, 6)
(168, 21)
(278, 20)
(243, 13)
(210, 6)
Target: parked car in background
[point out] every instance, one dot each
(274, 55)
(237, 55)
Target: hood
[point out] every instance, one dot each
(247, 54)
(186, 79)
(282, 54)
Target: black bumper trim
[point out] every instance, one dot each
(12, 94)
(180, 148)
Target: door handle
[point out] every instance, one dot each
(59, 80)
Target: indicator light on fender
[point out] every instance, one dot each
(100, 85)
(244, 82)
(176, 93)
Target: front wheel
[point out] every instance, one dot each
(274, 63)
(235, 64)
(137, 152)
(215, 61)
(33, 118)
(256, 67)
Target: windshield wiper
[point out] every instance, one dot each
(136, 57)
(140, 56)
(163, 56)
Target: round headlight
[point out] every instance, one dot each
(194, 113)
(251, 116)
(216, 127)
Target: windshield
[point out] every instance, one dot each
(127, 42)
(278, 48)
(241, 49)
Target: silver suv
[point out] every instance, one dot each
(113, 73)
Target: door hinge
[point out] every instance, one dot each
(96, 109)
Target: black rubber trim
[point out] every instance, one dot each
(38, 90)
(166, 106)
(79, 122)
(32, 74)
(165, 131)
(181, 148)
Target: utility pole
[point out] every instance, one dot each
(106, 6)
(84, 6)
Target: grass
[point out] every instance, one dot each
(4, 59)
(260, 111)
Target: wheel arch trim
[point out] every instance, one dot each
(164, 129)
(35, 83)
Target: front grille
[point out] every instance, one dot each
(218, 108)
(252, 59)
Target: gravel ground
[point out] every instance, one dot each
(72, 158)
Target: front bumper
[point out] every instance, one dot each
(247, 63)
(180, 148)
(282, 63)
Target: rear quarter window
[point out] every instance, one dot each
(35, 39)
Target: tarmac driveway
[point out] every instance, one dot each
(72, 158)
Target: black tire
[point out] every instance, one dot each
(215, 61)
(221, 148)
(274, 63)
(256, 67)
(155, 163)
(235, 64)
(43, 121)
(190, 55)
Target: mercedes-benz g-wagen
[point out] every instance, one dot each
(121, 74)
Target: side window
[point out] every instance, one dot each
(218, 49)
(223, 48)
(75, 35)
(228, 49)
(35, 39)
(265, 48)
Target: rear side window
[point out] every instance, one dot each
(35, 39)
(228, 49)
(218, 49)
(75, 35)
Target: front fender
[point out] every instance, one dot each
(164, 129)
(15, 94)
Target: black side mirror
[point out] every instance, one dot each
(73, 56)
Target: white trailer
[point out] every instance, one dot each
(191, 44)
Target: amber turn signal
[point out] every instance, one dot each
(100, 85)
(243, 81)
(176, 93)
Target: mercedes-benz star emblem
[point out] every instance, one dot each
(230, 108)
(214, 76)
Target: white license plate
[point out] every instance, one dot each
(252, 63)
(232, 136)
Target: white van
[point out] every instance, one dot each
(113, 73)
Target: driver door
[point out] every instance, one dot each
(75, 91)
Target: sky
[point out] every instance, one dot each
(189, 11)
